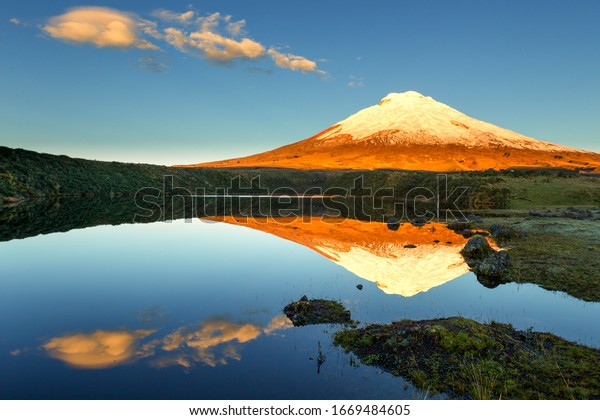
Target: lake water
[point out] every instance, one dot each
(194, 310)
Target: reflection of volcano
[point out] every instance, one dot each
(404, 262)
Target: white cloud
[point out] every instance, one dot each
(219, 48)
(150, 28)
(209, 23)
(215, 37)
(235, 28)
(169, 16)
(356, 82)
(99, 26)
(177, 38)
(16, 21)
(294, 62)
(212, 45)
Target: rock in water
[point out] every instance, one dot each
(492, 271)
(476, 249)
(491, 267)
(393, 224)
(317, 311)
(467, 233)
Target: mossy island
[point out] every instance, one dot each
(317, 311)
(469, 360)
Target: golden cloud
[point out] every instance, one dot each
(217, 37)
(99, 26)
(214, 46)
(294, 62)
(220, 48)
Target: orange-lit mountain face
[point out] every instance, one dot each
(414, 132)
(406, 262)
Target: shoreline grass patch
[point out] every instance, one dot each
(467, 359)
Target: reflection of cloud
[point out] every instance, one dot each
(100, 26)
(205, 339)
(280, 322)
(167, 361)
(97, 350)
(212, 343)
(15, 352)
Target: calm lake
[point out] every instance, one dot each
(178, 310)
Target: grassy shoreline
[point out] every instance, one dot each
(27, 174)
(470, 360)
(557, 250)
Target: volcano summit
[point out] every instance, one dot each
(415, 132)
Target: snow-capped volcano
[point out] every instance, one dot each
(412, 131)
(408, 116)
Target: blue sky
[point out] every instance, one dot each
(148, 91)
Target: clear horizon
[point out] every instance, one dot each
(178, 83)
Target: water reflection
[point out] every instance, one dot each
(211, 343)
(97, 350)
(408, 261)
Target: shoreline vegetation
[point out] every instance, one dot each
(470, 360)
(462, 358)
(26, 175)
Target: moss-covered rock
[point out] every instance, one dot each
(493, 270)
(477, 248)
(467, 359)
(490, 266)
(317, 311)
